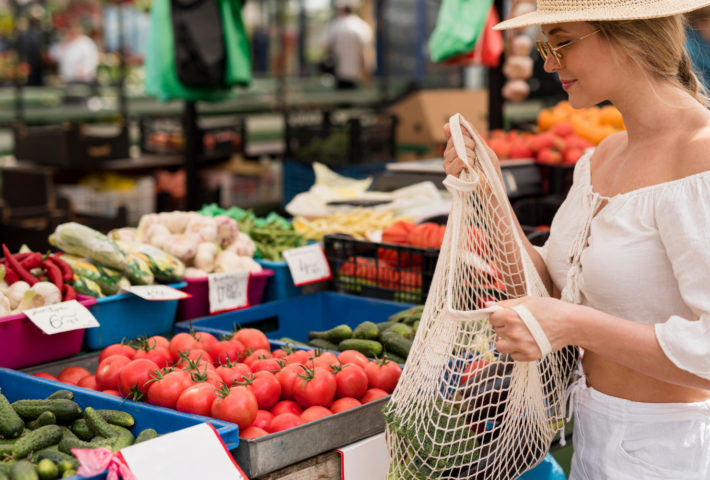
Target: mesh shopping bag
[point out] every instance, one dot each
(461, 410)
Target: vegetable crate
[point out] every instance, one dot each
(16, 386)
(126, 315)
(556, 179)
(22, 343)
(386, 271)
(280, 286)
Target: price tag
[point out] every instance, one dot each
(62, 317)
(193, 452)
(307, 264)
(157, 292)
(228, 291)
(365, 460)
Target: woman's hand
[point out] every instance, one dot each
(453, 165)
(513, 336)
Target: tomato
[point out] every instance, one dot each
(373, 394)
(88, 381)
(254, 355)
(158, 341)
(45, 375)
(107, 371)
(345, 403)
(206, 340)
(326, 360)
(315, 387)
(159, 355)
(351, 381)
(207, 375)
(265, 387)
(253, 339)
(284, 422)
(233, 372)
(314, 413)
(73, 374)
(298, 356)
(117, 349)
(197, 399)
(252, 432)
(133, 378)
(353, 356)
(287, 376)
(286, 406)
(237, 405)
(272, 365)
(166, 389)
(263, 419)
(195, 358)
(182, 342)
(115, 393)
(279, 353)
(226, 351)
(383, 374)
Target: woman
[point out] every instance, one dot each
(628, 257)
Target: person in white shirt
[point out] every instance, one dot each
(627, 262)
(349, 39)
(77, 56)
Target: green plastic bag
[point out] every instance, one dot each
(458, 26)
(161, 77)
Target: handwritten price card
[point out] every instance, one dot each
(62, 317)
(228, 291)
(157, 292)
(307, 264)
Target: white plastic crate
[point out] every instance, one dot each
(246, 190)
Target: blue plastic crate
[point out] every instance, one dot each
(16, 385)
(295, 317)
(279, 286)
(125, 315)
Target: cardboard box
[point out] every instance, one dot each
(423, 114)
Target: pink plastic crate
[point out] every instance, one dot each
(199, 306)
(23, 344)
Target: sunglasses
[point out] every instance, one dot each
(546, 49)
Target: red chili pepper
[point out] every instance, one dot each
(68, 292)
(67, 271)
(32, 261)
(18, 256)
(53, 273)
(19, 269)
(10, 276)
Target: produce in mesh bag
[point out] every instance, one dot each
(460, 409)
(110, 281)
(83, 241)
(165, 267)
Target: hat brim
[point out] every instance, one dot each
(664, 8)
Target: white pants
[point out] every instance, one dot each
(618, 439)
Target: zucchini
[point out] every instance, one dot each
(65, 410)
(118, 417)
(23, 470)
(366, 330)
(334, 335)
(65, 394)
(45, 418)
(323, 344)
(37, 440)
(396, 344)
(124, 438)
(47, 470)
(401, 329)
(82, 430)
(370, 348)
(58, 457)
(146, 434)
(11, 425)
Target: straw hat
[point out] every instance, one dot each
(559, 11)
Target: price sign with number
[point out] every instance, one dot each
(307, 264)
(62, 317)
(228, 291)
(157, 292)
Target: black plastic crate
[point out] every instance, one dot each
(379, 270)
(556, 179)
(535, 216)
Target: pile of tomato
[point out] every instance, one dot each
(239, 380)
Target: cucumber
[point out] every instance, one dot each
(370, 348)
(82, 430)
(23, 470)
(366, 330)
(37, 440)
(323, 344)
(4, 476)
(67, 444)
(382, 326)
(6, 466)
(47, 470)
(408, 315)
(11, 425)
(146, 434)
(45, 418)
(395, 358)
(291, 341)
(124, 438)
(415, 327)
(65, 394)
(334, 335)
(65, 410)
(6, 449)
(401, 329)
(98, 424)
(69, 473)
(118, 417)
(58, 458)
(396, 344)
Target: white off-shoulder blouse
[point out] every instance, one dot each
(643, 255)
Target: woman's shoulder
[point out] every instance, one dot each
(693, 150)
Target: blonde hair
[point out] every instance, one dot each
(657, 45)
